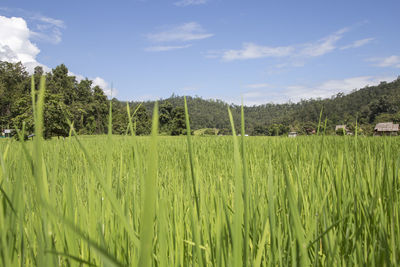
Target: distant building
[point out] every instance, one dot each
(310, 131)
(7, 133)
(386, 128)
(292, 134)
(342, 128)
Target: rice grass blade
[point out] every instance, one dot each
(245, 190)
(150, 197)
(75, 258)
(109, 194)
(190, 149)
(104, 254)
(261, 245)
(298, 229)
(237, 259)
(130, 125)
(319, 121)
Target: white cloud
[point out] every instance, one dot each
(295, 93)
(255, 97)
(190, 2)
(47, 33)
(293, 63)
(189, 88)
(358, 43)
(146, 97)
(78, 77)
(391, 61)
(42, 28)
(16, 46)
(108, 90)
(251, 51)
(296, 52)
(252, 94)
(332, 87)
(55, 22)
(213, 53)
(163, 48)
(324, 45)
(257, 85)
(186, 32)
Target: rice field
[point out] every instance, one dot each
(199, 201)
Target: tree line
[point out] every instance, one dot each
(366, 107)
(77, 101)
(86, 105)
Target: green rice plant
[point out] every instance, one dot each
(150, 198)
(237, 259)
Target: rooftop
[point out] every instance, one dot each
(387, 127)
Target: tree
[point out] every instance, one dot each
(13, 85)
(141, 121)
(98, 110)
(55, 117)
(22, 112)
(260, 129)
(178, 124)
(165, 117)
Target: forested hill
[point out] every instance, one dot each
(368, 105)
(87, 107)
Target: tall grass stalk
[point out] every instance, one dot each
(150, 198)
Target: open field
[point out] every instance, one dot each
(310, 200)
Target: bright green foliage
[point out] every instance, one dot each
(343, 202)
(141, 121)
(178, 121)
(165, 116)
(172, 119)
(370, 105)
(65, 99)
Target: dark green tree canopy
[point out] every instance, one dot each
(65, 98)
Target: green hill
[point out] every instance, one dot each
(368, 105)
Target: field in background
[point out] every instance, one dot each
(319, 200)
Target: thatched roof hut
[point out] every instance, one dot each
(343, 128)
(386, 128)
(340, 127)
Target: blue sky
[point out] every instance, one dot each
(265, 51)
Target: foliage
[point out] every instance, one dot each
(65, 99)
(368, 106)
(345, 195)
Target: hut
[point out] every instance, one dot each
(7, 133)
(342, 128)
(310, 131)
(292, 134)
(386, 128)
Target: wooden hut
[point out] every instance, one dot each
(342, 128)
(386, 128)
